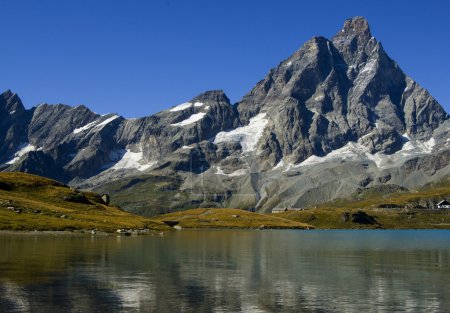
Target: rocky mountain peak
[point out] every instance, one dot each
(6, 94)
(212, 95)
(354, 41)
(331, 92)
(11, 103)
(356, 25)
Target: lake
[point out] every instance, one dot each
(228, 271)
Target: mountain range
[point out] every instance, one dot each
(336, 117)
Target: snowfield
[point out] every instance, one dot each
(126, 159)
(239, 172)
(22, 150)
(190, 120)
(356, 151)
(181, 107)
(97, 124)
(185, 106)
(248, 136)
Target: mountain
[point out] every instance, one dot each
(334, 91)
(335, 116)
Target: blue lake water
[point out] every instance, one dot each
(228, 271)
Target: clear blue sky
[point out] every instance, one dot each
(138, 57)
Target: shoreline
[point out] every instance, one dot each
(75, 233)
(84, 233)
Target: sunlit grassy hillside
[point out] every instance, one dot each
(228, 218)
(373, 208)
(29, 202)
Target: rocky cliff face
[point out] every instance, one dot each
(80, 144)
(339, 106)
(13, 118)
(334, 91)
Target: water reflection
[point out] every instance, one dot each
(228, 271)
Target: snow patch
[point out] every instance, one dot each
(279, 165)
(219, 171)
(191, 120)
(351, 151)
(429, 145)
(12, 112)
(21, 150)
(126, 159)
(85, 127)
(328, 46)
(107, 121)
(356, 151)
(198, 104)
(290, 166)
(248, 136)
(95, 124)
(181, 107)
(239, 172)
(186, 147)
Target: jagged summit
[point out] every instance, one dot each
(356, 25)
(11, 102)
(355, 41)
(6, 94)
(212, 95)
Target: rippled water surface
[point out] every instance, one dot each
(228, 271)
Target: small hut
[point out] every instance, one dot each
(444, 204)
(278, 210)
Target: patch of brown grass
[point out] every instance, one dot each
(228, 218)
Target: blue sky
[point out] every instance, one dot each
(138, 57)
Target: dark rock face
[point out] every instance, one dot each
(428, 164)
(330, 94)
(361, 217)
(13, 121)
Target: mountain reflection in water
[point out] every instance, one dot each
(228, 271)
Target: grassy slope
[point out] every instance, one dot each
(429, 194)
(146, 195)
(405, 214)
(223, 218)
(383, 218)
(43, 207)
